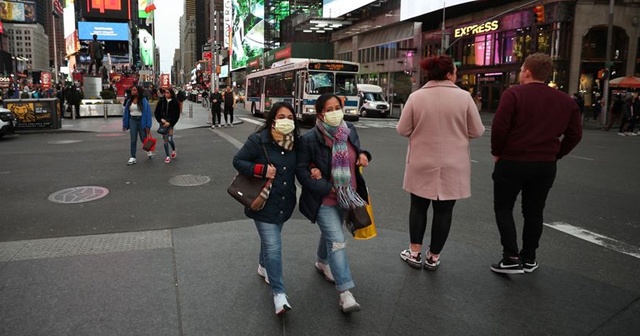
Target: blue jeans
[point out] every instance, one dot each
(168, 140)
(332, 245)
(135, 131)
(271, 253)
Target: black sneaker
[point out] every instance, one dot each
(508, 266)
(529, 266)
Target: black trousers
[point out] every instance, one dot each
(228, 111)
(534, 180)
(442, 215)
(216, 114)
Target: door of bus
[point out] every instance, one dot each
(298, 95)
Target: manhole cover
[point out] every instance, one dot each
(78, 195)
(63, 142)
(189, 180)
(110, 134)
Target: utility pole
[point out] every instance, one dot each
(607, 64)
(442, 48)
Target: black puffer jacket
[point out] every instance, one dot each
(282, 198)
(169, 112)
(313, 151)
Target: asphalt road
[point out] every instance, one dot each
(596, 190)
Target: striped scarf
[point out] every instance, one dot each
(283, 140)
(348, 198)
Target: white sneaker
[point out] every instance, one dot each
(281, 303)
(263, 273)
(621, 134)
(348, 303)
(131, 161)
(325, 270)
(150, 155)
(231, 125)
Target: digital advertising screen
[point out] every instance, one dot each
(69, 19)
(142, 4)
(106, 9)
(248, 31)
(412, 8)
(18, 11)
(106, 31)
(335, 8)
(146, 47)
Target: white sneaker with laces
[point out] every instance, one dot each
(348, 303)
(281, 303)
(150, 155)
(131, 161)
(325, 270)
(263, 273)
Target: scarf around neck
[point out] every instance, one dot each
(283, 140)
(340, 165)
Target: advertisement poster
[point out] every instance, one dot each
(45, 79)
(248, 28)
(165, 82)
(106, 9)
(71, 44)
(106, 31)
(18, 11)
(38, 114)
(146, 47)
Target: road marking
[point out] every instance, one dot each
(229, 138)
(253, 121)
(581, 157)
(474, 161)
(596, 238)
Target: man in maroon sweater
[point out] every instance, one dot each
(535, 126)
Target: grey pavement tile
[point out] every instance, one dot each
(93, 244)
(128, 293)
(9, 249)
(625, 323)
(219, 288)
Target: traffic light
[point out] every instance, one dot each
(538, 12)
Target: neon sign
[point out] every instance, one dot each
(477, 29)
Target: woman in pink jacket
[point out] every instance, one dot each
(439, 119)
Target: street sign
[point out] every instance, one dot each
(216, 47)
(207, 55)
(206, 47)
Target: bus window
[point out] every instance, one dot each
(320, 82)
(346, 84)
(255, 87)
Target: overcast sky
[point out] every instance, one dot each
(167, 17)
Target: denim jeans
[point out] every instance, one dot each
(135, 131)
(332, 245)
(271, 253)
(168, 140)
(534, 179)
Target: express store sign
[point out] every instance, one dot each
(477, 28)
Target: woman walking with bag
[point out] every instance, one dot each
(269, 153)
(438, 165)
(331, 151)
(167, 114)
(137, 119)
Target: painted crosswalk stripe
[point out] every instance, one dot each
(253, 121)
(596, 238)
(580, 157)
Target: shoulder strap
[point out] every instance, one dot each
(265, 153)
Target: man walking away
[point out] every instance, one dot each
(616, 111)
(530, 120)
(216, 108)
(229, 104)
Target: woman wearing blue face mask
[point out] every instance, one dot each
(331, 152)
(269, 153)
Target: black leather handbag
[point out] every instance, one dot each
(248, 189)
(357, 218)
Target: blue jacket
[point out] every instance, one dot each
(282, 198)
(146, 115)
(313, 151)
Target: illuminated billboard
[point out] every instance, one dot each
(18, 11)
(146, 47)
(142, 4)
(106, 9)
(335, 8)
(412, 8)
(106, 31)
(69, 19)
(248, 31)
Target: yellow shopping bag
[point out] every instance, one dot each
(370, 231)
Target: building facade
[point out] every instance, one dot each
(58, 39)
(29, 46)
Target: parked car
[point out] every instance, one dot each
(7, 122)
(372, 101)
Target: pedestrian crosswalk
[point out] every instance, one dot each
(375, 123)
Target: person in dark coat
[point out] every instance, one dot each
(229, 105)
(270, 153)
(216, 108)
(167, 114)
(332, 150)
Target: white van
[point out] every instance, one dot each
(372, 101)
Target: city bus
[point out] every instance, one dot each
(300, 82)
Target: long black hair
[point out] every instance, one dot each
(139, 96)
(271, 117)
(323, 100)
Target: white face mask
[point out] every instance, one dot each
(333, 118)
(284, 126)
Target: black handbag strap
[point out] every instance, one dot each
(265, 153)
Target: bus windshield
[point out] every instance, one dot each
(339, 83)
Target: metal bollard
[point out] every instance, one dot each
(105, 109)
(190, 110)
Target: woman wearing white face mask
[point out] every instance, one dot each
(269, 153)
(331, 152)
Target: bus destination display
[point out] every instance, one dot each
(333, 67)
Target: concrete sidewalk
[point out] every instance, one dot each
(202, 280)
